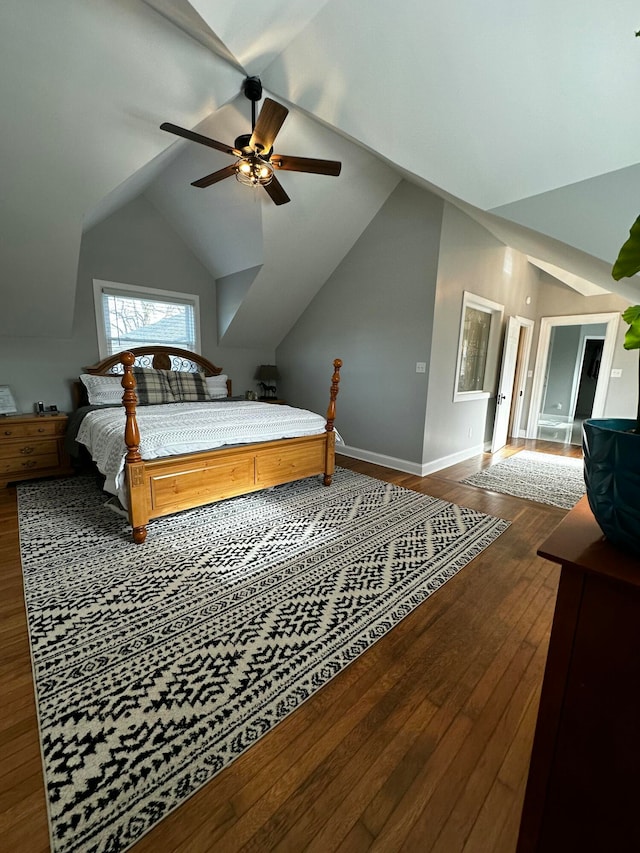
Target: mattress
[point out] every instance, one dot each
(176, 428)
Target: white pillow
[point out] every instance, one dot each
(102, 390)
(217, 386)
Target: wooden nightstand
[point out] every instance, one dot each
(32, 446)
(274, 400)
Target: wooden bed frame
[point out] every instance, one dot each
(162, 486)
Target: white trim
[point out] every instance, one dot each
(380, 459)
(100, 285)
(496, 310)
(415, 468)
(522, 368)
(542, 355)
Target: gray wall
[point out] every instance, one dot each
(470, 259)
(375, 312)
(557, 300)
(565, 347)
(133, 246)
(563, 351)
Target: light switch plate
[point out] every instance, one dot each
(616, 372)
(421, 366)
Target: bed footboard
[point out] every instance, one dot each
(162, 486)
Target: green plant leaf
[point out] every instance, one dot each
(628, 260)
(632, 337)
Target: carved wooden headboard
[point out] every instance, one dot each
(157, 357)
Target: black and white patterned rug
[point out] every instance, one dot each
(158, 664)
(542, 477)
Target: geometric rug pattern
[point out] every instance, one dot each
(542, 477)
(156, 665)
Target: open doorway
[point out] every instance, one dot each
(586, 383)
(571, 378)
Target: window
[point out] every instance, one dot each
(480, 327)
(128, 316)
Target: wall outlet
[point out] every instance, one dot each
(421, 366)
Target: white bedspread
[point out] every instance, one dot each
(168, 430)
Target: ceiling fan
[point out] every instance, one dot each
(256, 163)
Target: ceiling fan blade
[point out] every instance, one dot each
(276, 192)
(198, 137)
(214, 177)
(270, 120)
(306, 164)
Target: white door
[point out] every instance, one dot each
(505, 386)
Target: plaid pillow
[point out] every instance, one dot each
(188, 387)
(152, 386)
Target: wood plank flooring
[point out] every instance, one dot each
(421, 744)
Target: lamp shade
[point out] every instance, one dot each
(267, 372)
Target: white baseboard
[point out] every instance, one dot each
(419, 470)
(379, 459)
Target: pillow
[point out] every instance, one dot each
(152, 386)
(102, 390)
(217, 386)
(188, 387)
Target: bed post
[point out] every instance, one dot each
(330, 460)
(134, 466)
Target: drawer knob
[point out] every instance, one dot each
(41, 429)
(8, 432)
(29, 463)
(26, 450)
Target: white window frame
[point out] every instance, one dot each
(480, 303)
(99, 286)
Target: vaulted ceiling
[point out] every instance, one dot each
(522, 115)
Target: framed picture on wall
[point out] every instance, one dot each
(478, 347)
(7, 403)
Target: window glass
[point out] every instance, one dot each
(130, 317)
(478, 348)
(475, 345)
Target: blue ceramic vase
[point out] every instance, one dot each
(612, 478)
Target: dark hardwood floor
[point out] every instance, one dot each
(421, 744)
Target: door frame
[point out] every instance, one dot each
(542, 356)
(516, 380)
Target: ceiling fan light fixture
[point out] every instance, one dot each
(254, 171)
(255, 162)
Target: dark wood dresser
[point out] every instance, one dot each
(32, 446)
(583, 791)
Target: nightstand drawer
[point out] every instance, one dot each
(26, 447)
(12, 430)
(29, 464)
(34, 428)
(46, 427)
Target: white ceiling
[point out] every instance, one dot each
(524, 116)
